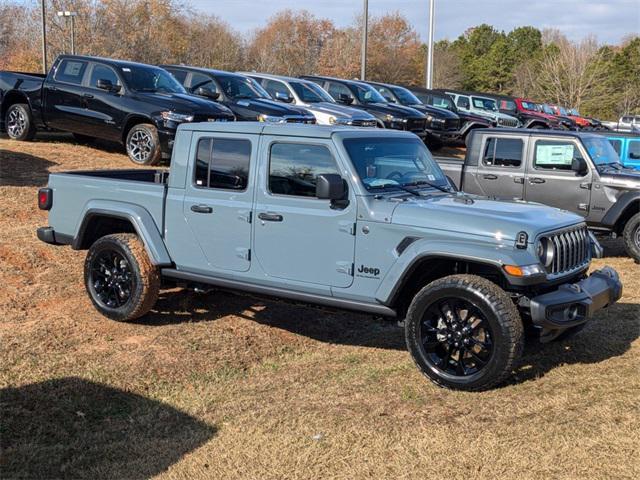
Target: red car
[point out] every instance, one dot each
(582, 122)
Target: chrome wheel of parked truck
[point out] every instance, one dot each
(349, 218)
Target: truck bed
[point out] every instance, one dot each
(76, 192)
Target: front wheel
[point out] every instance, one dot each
(119, 277)
(19, 122)
(143, 144)
(631, 237)
(464, 333)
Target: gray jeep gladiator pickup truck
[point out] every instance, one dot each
(338, 216)
(576, 171)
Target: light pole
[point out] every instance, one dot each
(430, 46)
(44, 36)
(71, 15)
(365, 27)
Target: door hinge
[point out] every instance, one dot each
(245, 215)
(345, 267)
(583, 206)
(347, 227)
(244, 253)
(585, 186)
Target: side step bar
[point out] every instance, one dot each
(376, 309)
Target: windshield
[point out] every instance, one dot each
(240, 87)
(443, 102)
(391, 163)
(405, 96)
(367, 94)
(547, 109)
(150, 79)
(311, 92)
(529, 106)
(574, 112)
(601, 151)
(484, 104)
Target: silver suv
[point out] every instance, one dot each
(310, 95)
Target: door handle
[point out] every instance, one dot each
(537, 180)
(201, 209)
(270, 217)
(87, 95)
(490, 177)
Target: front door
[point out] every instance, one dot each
(104, 117)
(299, 237)
(550, 179)
(218, 200)
(501, 170)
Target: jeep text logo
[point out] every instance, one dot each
(369, 271)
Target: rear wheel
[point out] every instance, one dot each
(120, 279)
(631, 237)
(464, 333)
(19, 122)
(143, 144)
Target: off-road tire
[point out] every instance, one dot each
(149, 132)
(501, 314)
(146, 277)
(23, 111)
(631, 237)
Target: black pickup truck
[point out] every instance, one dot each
(575, 171)
(242, 95)
(138, 105)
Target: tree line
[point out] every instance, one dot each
(600, 80)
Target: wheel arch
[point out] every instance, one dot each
(11, 98)
(131, 122)
(99, 220)
(627, 205)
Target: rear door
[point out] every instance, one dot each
(218, 199)
(299, 237)
(550, 179)
(63, 100)
(633, 153)
(501, 169)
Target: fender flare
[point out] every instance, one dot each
(537, 121)
(139, 217)
(423, 249)
(619, 208)
(472, 124)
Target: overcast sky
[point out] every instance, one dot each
(609, 20)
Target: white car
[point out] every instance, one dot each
(627, 123)
(311, 96)
(484, 107)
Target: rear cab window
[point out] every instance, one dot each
(222, 163)
(503, 152)
(70, 71)
(294, 167)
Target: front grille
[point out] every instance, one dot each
(507, 122)
(452, 124)
(572, 250)
(416, 124)
(293, 119)
(364, 123)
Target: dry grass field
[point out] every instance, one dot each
(227, 386)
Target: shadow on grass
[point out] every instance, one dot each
(23, 170)
(74, 428)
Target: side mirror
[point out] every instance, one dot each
(283, 97)
(330, 186)
(104, 84)
(579, 165)
(346, 99)
(206, 92)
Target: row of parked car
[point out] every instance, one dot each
(142, 105)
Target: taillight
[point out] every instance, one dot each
(45, 198)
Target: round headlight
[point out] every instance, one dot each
(545, 251)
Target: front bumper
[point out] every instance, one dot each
(574, 304)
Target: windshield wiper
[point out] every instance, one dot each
(395, 185)
(424, 182)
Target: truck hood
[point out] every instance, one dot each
(472, 117)
(183, 103)
(338, 110)
(476, 215)
(435, 111)
(626, 178)
(268, 107)
(390, 109)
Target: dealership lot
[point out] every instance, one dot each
(238, 385)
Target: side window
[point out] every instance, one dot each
(293, 168)
(616, 144)
(555, 154)
(223, 163)
(200, 80)
(273, 87)
(388, 96)
(101, 72)
(634, 149)
(463, 102)
(71, 71)
(503, 152)
(179, 75)
(337, 89)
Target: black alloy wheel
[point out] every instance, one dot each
(111, 279)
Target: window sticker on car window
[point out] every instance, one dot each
(554, 154)
(125, 69)
(73, 69)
